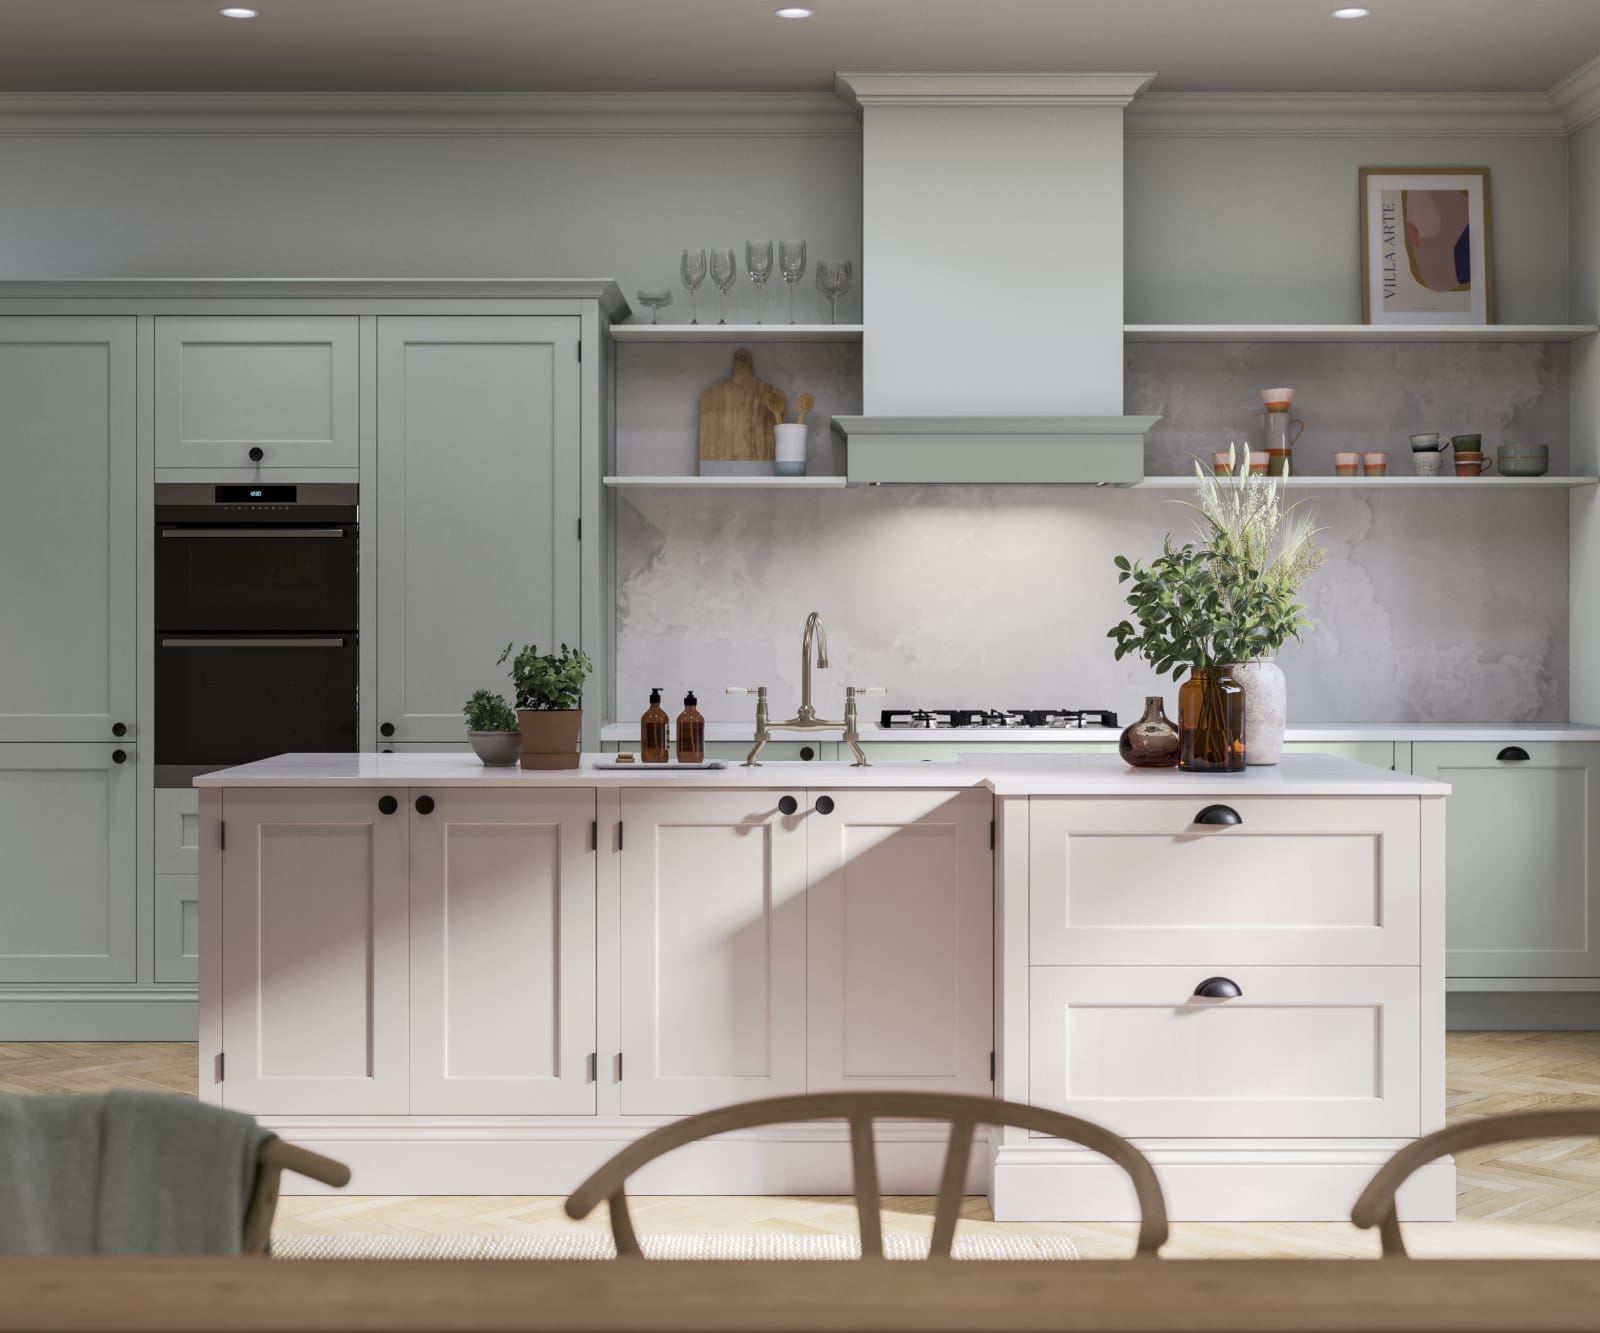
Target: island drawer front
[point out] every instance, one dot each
(1302, 1052)
(1330, 881)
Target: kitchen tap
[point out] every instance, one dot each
(806, 718)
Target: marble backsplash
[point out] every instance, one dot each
(1433, 606)
(1448, 608)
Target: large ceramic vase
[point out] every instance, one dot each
(1211, 722)
(1266, 709)
(1152, 741)
(550, 736)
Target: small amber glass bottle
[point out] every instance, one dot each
(653, 732)
(691, 732)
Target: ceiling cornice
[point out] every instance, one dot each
(956, 89)
(715, 115)
(1577, 97)
(1368, 115)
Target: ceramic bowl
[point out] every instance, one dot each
(1523, 467)
(1277, 395)
(1525, 451)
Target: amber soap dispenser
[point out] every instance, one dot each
(653, 731)
(691, 732)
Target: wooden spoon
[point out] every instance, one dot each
(777, 403)
(803, 404)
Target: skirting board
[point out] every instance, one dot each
(1522, 1011)
(98, 1016)
(1323, 1187)
(498, 1161)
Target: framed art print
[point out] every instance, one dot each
(1425, 249)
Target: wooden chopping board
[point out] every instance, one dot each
(735, 424)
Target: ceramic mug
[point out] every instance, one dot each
(1427, 442)
(1346, 464)
(1258, 465)
(1429, 464)
(1470, 444)
(789, 441)
(1471, 463)
(1222, 462)
(1375, 463)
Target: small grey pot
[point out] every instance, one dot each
(496, 748)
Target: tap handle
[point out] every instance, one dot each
(745, 689)
(866, 689)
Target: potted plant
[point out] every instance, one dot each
(549, 689)
(1219, 609)
(492, 728)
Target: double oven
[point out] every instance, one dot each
(257, 606)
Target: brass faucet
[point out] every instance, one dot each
(806, 719)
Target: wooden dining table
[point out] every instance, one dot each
(231, 1295)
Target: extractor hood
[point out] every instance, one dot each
(992, 266)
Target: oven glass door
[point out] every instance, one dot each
(256, 579)
(231, 699)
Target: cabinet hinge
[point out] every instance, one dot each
(594, 835)
(991, 835)
(594, 1066)
(991, 1066)
(222, 834)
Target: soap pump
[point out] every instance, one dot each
(691, 732)
(653, 731)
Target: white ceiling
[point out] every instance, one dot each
(737, 45)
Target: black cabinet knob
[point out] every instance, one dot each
(119, 728)
(387, 729)
(257, 453)
(1513, 754)
(119, 756)
(788, 804)
(424, 805)
(806, 752)
(387, 805)
(1218, 988)
(824, 805)
(1224, 816)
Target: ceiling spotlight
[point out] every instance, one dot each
(1354, 12)
(237, 12)
(792, 12)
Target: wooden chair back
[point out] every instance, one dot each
(860, 1110)
(274, 1158)
(1376, 1206)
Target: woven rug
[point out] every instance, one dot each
(597, 1245)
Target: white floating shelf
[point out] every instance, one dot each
(727, 483)
(736, 333)
(1357, 333)
(1409, 483)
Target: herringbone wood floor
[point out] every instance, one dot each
(1522, 1200)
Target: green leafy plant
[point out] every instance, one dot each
(1231, 596)
(488, 711)
(548, 680)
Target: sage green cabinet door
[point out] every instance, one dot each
(1380, 754)
(68, 544)
(1522, 879)
(477, 496)
(287, 386)
(68, 863)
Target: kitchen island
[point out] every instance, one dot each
(468, 980)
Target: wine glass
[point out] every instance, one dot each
(758, 264)
(723, 273)
(655, 301)
(833, 281)
(792, 264)
(692, 269)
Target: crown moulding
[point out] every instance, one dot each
(1368, 115)
(866, 89)
(1577, 97)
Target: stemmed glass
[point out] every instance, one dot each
(792, 264)
(655, 300)
(692, 269)
(723, 273)
(758, 264)
(833, 281)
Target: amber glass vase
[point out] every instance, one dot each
(1211, 722)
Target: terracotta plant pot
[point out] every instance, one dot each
(550, 737)
(496, 748)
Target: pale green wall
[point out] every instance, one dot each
(1265, 229)
(1584, 170)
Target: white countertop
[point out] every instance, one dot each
(1004, 774)
(1504, 732)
